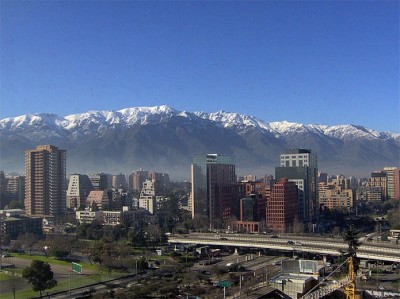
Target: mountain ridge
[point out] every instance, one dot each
(147, 133)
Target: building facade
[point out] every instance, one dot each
(390, 181)
(282, 206)
(333, 196)
(99, 181)
(46, 183)
(301, 167)
(137, 179)
(213, 186)
(16, 188)
(396, 183)
(119, 181)
(147, 199)
(79, 187)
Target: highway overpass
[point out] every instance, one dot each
(329, 246)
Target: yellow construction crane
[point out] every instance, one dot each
(350, 288)
(348, 284)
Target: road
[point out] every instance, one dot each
(328, 246)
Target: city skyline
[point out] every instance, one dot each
(323, 63)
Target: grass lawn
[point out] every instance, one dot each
(64, 285)
(4, 276)
(52, 260)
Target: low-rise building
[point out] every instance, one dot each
(87, 216)
(15, 222)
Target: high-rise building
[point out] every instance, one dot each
(252, 214)
(99, 181)
(379, 179)
(396, 182)
(138, 178)
(162, 180)
(46, 183)
(16, 188)
(282, 206)
(78, 190)
(119, 181)
(301, 167)
(147, 199)
(3, 181)
(390, 180)
(213, 186)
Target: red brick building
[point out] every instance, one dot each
(282, 206)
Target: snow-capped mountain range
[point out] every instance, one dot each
(163, 137)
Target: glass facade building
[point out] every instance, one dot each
(213, 180)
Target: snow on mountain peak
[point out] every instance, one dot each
(230, 119)
(92, 121)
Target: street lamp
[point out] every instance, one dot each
(45, 250)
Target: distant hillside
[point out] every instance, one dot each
(163, 139)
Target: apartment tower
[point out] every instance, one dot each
(78, 190)
(46, 184)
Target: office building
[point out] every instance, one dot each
(99, 181)
(213, 186)
(282, 206)
(46, 183)
(301, 167)
(250, 210)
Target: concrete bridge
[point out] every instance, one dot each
(326, 246)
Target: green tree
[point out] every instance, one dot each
(40, 276)
(351, 237)
(137, 237)
(394, 218)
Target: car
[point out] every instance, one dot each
(298, 243)
(290, 242)
(6, 255)
(274, 237)
(224, 239)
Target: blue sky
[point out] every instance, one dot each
(319, 62)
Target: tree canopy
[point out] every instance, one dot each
(40, 276)
(351, 237)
